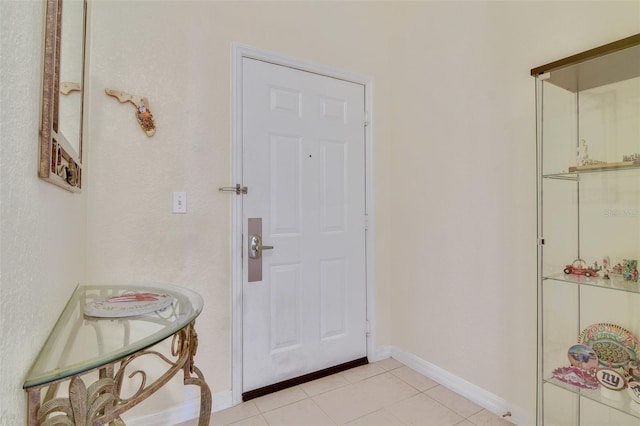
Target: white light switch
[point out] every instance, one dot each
(179, 202)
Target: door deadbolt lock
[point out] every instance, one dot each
(256, 247)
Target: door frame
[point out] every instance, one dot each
(240, 51)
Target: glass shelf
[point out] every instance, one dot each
(616, 282)
(79, 343)
(622, 403)
(575, 175)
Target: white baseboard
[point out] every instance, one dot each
(382, 352)
(476, 394)
(188, 410)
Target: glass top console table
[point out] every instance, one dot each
(91, 370)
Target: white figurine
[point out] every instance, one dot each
(606, 267)
(583, 155)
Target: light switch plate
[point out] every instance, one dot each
(179, 202)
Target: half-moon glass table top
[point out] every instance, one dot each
(80, 343)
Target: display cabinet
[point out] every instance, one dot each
(588, 163)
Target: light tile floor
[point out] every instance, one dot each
(385, 393)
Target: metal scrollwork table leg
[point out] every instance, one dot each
(101, 402)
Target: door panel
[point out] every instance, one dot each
(285, 307)
(303, 161)
(333, 292)
(285, 185)
(332, 186)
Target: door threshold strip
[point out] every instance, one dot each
(246, 396)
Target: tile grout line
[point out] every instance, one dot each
(349, 383)
(383, 371)
(325, 413)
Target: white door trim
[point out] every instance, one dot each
(239, 52)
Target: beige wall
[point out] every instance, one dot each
(454, 149)
(42, 227)
(454, 167)
(464, 126)
(180, 57)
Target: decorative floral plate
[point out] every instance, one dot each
(577, 377)
(128, 304)
(614, 345)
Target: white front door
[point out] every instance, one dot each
(303, 161)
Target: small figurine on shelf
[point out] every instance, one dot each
(583, 155)
(632, 376)
(579, 267)
(633, 389)
(635, 158)
(617, 269)
(630, 271)
(633, 369)
(606, 264)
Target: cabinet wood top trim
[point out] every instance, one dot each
(596, 67)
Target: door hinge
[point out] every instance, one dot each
(540, 241)
(367, 328)
(366, 222)
(366, 118)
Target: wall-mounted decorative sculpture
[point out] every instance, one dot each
(143, 112)
(67, 87)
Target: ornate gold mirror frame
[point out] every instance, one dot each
(61, 126)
